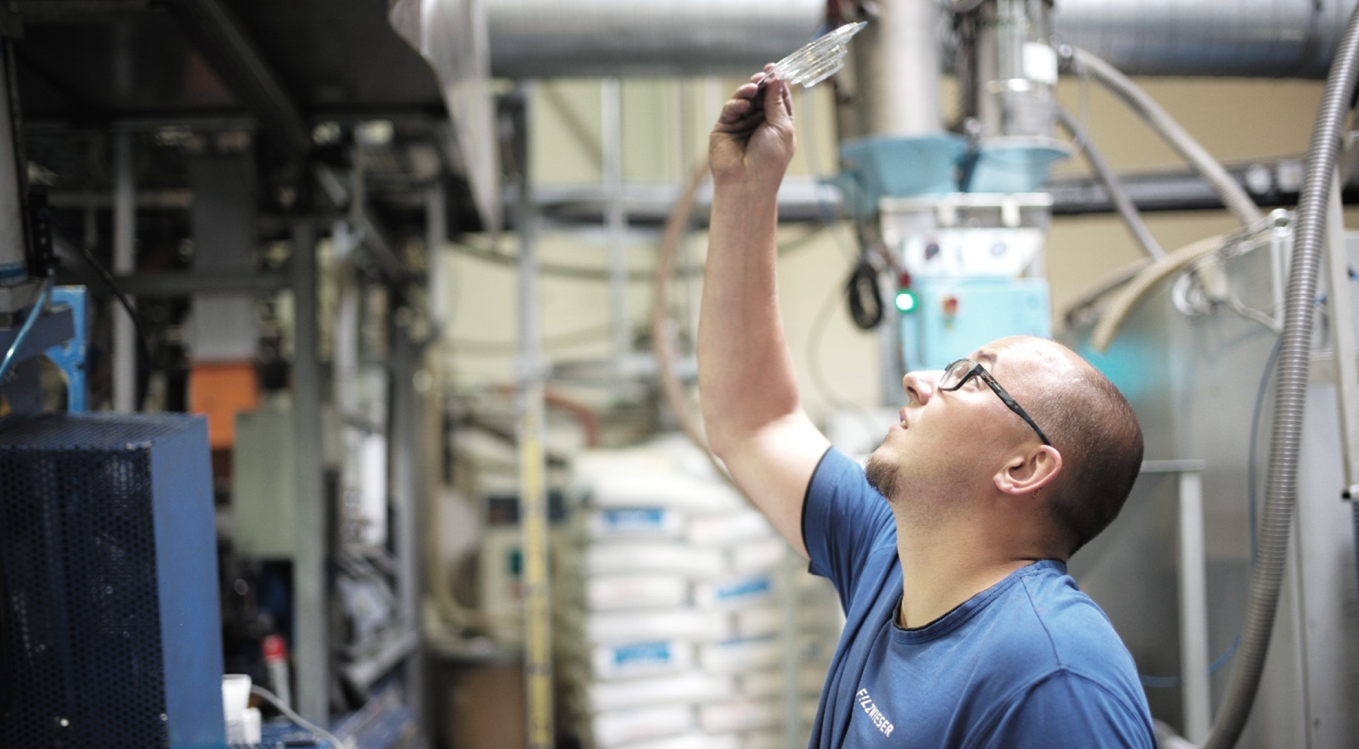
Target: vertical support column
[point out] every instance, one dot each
(532, 461)
(615, 218)
(405, 455)
(436, 236)
(124, 263)
(1343, 342)
(13, 268)
(312, 646)
(1195, 686)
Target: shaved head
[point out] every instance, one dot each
(1094, 428)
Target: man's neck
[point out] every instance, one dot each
(940, 572)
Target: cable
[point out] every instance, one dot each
(143, 347)
(824, 209)
(1127, 209)
(320, 732)
(865, 299)
(26, 328)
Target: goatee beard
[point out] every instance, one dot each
(882, 475)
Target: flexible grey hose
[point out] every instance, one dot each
(1294, 358)
(1232, 194)
(1126, 208)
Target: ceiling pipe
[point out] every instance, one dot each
(1239, 38)
(597, 38)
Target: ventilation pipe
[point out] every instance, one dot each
(606, 38)
(1241, 38)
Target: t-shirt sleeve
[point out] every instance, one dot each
(843, 517)
(1064, 711)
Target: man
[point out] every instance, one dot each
(962, 627)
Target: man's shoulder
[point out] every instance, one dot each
(1069, 632)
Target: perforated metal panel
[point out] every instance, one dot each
(99, 648)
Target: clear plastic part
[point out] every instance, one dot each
(818, 60)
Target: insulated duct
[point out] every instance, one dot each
(1243, 38)
(591, 38)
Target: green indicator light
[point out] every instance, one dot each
(906, 300)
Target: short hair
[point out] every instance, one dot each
(1095, 429)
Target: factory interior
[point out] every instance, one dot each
(350, 392)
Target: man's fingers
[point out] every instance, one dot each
(734, 109)
(778, 101)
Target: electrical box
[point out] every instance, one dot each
(110, 631)
(955, 316)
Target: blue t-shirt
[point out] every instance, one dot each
(1029, 662)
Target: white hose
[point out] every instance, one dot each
(1130, 295)
(1233, 196)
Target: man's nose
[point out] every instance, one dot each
(920, 385)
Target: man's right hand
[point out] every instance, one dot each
(753, 141)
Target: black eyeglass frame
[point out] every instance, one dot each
(975, 369)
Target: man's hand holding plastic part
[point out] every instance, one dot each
(753, 141)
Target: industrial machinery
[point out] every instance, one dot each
(110, 624)
(259, 137)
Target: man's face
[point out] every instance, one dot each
(950, 442)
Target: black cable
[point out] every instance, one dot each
(143, 347)
(865, 299)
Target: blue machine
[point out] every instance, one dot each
(110, 631)
(954, 316)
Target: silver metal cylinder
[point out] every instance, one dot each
(599, 38)
(1246, 38)
(900, 69)
(1017, 69)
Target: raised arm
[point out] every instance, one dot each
(747, 381)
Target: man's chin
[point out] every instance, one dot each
(881, 472)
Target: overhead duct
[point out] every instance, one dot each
(1241, 38)
(549, 38)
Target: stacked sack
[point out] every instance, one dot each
(683, 620)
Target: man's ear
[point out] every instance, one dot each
(1028, 472)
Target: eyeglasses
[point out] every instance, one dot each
(958, 373)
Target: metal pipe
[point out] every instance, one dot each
(899, 69)
(1290, 401)
(532, 456)
(1243, 38)
(124, 263)
(615, 215)
(597, 38)
(311, 648)
(1195, 690)
(1124, 204)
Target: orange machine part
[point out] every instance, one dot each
(221, 390)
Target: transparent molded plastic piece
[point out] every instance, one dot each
(818, 60)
